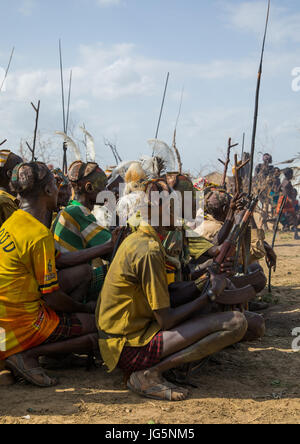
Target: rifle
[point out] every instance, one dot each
(232, 297)
(274, 237)
(229, 247)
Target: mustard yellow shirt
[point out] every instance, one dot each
(136, 285)
(8, 205)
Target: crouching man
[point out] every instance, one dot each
(37, 317)
(139, 330)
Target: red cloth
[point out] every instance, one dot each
(288, 208)
(135, 359)
(69, 327)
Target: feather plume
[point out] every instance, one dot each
(90, 146)
(70, 142)
(135, 178)
(122, 169)
(162, 151)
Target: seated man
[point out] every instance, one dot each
(8, 203)
(64, 189)
(37, 318)
(76, 229)
(139, 331)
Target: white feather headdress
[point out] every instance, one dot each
(90, 146)
(70, 142)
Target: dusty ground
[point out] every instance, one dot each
(253, 383)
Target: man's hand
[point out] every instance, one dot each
(218, 283)
(271, 257)
(228, 265)
(239, 202)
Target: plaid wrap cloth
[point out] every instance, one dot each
(69, 327)
(135, 359)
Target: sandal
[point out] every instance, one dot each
(19, 369)
(166, 387)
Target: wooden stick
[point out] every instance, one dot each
(162, 106)
(227, 162)
(2, 143)
(37, 110)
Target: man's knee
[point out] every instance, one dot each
(93, 338)
(256, 326)
(238, 325)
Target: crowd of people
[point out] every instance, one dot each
(143, 297)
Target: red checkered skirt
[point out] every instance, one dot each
(135, 359)
(69, 327)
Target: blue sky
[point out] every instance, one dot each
(120, 52)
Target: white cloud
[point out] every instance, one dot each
(251, 15)
(26, 7)
(117, 92)
(107, 3)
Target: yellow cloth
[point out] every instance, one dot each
(136, 286)
(210, 228)
(198, 246)
(27, 271)
(8, 205)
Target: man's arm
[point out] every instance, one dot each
(68, 260)
(170, 318)
(60, 302)
(72, 259)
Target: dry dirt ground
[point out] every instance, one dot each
(252, 383)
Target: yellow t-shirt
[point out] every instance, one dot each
(27, 271)
(136, 285)
(8, 205)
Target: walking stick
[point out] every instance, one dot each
(274, 237)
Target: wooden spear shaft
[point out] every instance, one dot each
(162, 106)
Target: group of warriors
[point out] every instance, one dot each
(141, 298)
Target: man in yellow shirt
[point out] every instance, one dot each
(8, 203)
(141, 330)
(36, 317)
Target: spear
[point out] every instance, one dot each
(177, 153)
(247, 242)
(65, 118)
(257, 102)
(162, 106)
(7, 69)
